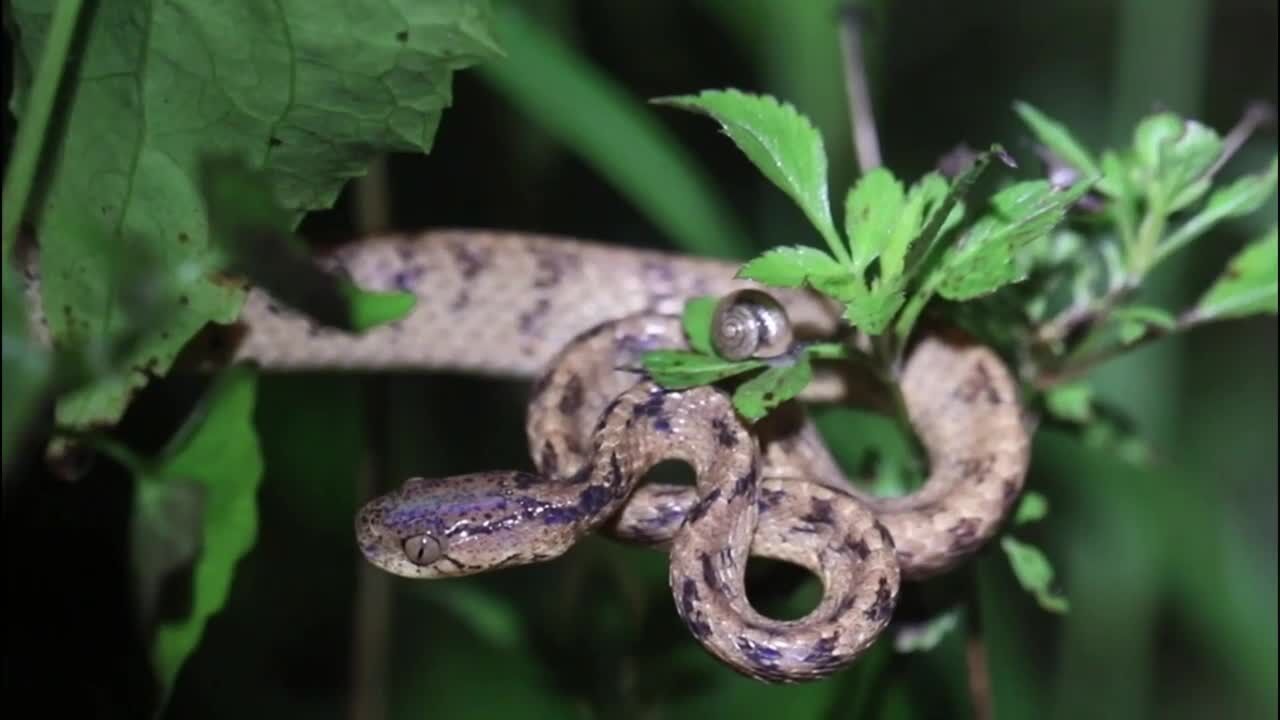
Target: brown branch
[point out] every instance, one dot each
(866, 141)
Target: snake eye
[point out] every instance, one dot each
(750, 323)
(422, 549)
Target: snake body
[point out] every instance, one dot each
(574, 317)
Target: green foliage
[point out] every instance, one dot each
(1247, 287)
(780, 142)
(541, 76)
(196, 509)
(127, 172)
(1034, 573)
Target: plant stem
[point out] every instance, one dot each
(1084, 363)
(866, 141)
(30, 138)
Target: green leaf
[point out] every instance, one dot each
(696, 318)
(1055, 136)
(27, 367)
(925, 636)
(1248, 287)
(211, 470)
(1133, 321)
(1072, 402)
(790, 266)
(251, 229)
(780, 142)
(1240, 198)
(619, 137)
(766, 391)
(677, 369)
(288, 84)
(869, 310)
(1031, 508)
(1174, 154)
(984, 260)
(1034, 574)
(872, 210)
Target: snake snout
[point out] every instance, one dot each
(375, 539)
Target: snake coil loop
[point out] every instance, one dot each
(750, 323)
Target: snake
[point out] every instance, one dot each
(574, 318)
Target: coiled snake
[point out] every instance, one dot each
(575, 317)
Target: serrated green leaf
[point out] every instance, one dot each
(869, 310)
(677, 369)
(873, 208)
(1055, 136)
(986, 258)
(217, 452)
(1240, 198)
(873, 313)
(1031, 508)
(790, 266)
(1133, 321)
(928, 250)
(289, 83)
(1034, 574)
(1248, 287)
(27, 366)
(696, 319)
(925, 636)
(780, 142)
(766, 391)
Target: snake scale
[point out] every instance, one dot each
(574, 317)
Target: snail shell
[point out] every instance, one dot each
(750, 323)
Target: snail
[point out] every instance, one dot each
(750, 323)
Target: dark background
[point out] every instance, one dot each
(1170, 570)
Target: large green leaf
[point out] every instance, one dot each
(199, 503)
(293, 86)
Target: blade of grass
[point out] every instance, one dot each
(619, 137)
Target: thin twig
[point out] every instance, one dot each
(866, 141)
(975, 651)
(371, 628)
(1256, 115)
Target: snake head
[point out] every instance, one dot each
(450, 527)
(402, 533)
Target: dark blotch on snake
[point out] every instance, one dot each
(820, 512)
(549, 464)
(689, 610)
(964, 533)
(700, 510)
(822, 651)
(884, 535)
(859, 548)
(975, 469)
(593, 499)
(882, 607)
(571, 400)
(724, 433)
(709, 572)
(746, 483)
(978, 384)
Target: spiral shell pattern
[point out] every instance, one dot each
(750, 323)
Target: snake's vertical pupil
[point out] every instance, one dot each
(422, 549)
